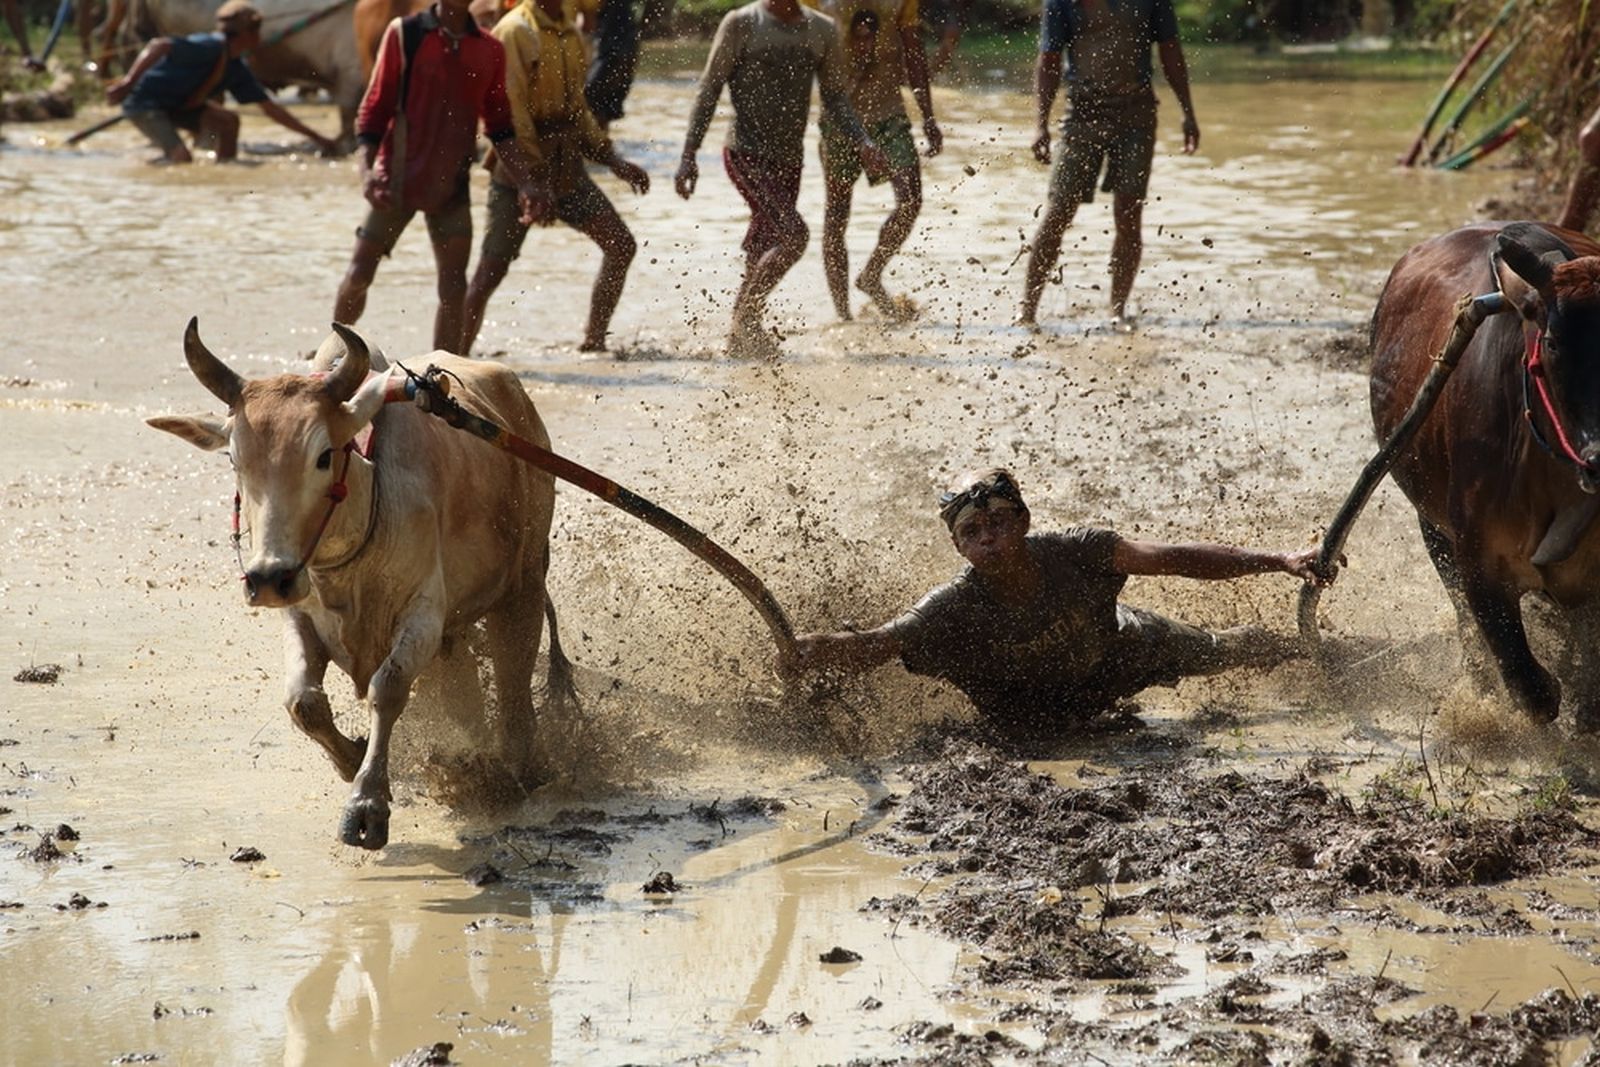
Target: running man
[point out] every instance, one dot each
(878, 59)
(1585, 188)
(545, 65)
(436, 76)
(768, 53)
(1111, 121)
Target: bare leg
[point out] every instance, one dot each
(1042, 256)
(835, 256)
(485, 280)
(450, 257)
(352, 298)
(907, 205)
(617, 248)
(1126, 249)
(220, 128)
(116, 12)
(763, 271)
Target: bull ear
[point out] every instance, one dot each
(212, 373)
(364, 406)
(203, 431)
(352, 370)
(1525, 259)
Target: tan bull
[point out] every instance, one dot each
(376, 560)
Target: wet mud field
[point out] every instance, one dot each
(1376, 866)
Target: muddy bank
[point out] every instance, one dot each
(1099, 886)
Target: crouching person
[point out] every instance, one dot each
(172, 84)
(1032, 631)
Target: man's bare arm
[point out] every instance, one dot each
(1046, 83)
(917, 77)
(849, 651)
(1176, 71)
(1209, 562)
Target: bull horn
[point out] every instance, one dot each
(1533, 253)
(222, 382)
(352, 370)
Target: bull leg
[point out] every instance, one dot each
(1585, 631)
(1499, 615)
(513, 632)
(306, 664)
(366, 813)
(1474, 653)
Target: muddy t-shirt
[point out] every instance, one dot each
(1015, 660)
(768, 65)
(874, 83)
(1107, 42)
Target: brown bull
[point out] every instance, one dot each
(1503, 472)
(378, 558)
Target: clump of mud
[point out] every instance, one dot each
(1215, 844)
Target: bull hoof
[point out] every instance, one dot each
(1586, 718)
(1540, 697)
(365, 824)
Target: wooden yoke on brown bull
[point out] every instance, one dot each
(1470, 313)
(430, 391)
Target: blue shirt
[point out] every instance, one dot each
(185, 68)
(1152, 21)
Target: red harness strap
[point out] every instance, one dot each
(1533, 370)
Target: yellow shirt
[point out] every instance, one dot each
(874, 84)
(545, 69)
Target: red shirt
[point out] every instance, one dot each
(454, 82)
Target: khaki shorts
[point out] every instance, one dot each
(162, 126)
(1119, 134)
(841, 162)
(504, 231)
(383, 226)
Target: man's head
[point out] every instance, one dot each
(986, 515)
(240, 23)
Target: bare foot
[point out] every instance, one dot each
(1122, 322)
(895, 309)
(750, 340)
(590, 344)
(1026, 320)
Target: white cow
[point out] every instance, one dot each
(322, 55)
(377, 559)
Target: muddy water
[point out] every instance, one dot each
(164, 745)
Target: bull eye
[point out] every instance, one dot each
(325, 461)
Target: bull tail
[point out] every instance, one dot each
(559, 685)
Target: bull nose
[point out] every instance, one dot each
(270, 586)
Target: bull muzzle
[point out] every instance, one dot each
(275, 586)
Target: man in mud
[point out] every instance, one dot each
(768, 53)
(1585, 189)
(1032, 631)
(170, 87)
(545, 62)
(1111, 121)
(882, 46)
(437, 75)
